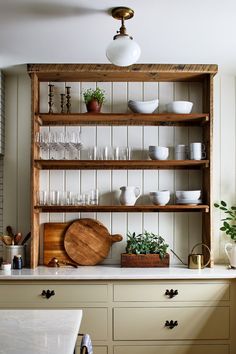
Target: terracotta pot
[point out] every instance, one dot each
(144, 260)
(94, 106)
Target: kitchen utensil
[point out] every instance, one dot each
(27, 237)
(196, 260)
(54, 262)
(88, 242)
(10, 231)
(17, 238)
(7, 240)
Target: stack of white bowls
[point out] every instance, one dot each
(181, 152)
(188, 197)
(160, 197)
(158, 152)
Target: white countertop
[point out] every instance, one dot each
(116, 272)
(39, 331)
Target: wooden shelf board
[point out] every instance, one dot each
(119, 165)
(121, 208)
(108, 72)
(161, 119)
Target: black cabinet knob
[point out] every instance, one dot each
(47, 293)
(171, 324)
(171, 293)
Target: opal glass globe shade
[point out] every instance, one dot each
(123, 51)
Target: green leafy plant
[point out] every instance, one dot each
(97, 94)
(229, 222)
(146, 243)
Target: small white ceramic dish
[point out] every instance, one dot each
(143, 106)
(189, 201)
(188, 195)
(180, 107)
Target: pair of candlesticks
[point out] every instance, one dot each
(65, 100)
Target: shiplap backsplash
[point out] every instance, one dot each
(181, 230)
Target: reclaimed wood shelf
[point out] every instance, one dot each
(120, 164)
(121, 208)
(157, 119)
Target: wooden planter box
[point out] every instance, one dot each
(144, 260)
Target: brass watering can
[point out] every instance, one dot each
(196, 260)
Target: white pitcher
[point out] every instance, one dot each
(129, 195)
(230, 250)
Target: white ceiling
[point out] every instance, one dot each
(78, 31)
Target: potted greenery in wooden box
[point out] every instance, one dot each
(145, 250)
(94, 99)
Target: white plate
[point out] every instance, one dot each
(189, 201)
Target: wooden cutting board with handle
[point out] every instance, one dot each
(88, 242)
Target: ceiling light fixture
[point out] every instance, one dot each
(123, 50)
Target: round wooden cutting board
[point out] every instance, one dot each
(88, 242)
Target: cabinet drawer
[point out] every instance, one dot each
(64, 294)
(95, 322)
(157, 292)
(149, 323)
(172, 349)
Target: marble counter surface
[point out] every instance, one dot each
(116, 272)
(39, 331)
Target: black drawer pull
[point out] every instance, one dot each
(171, 324)
(171, 293)
(48, 293)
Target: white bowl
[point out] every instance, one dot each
(158, 152)
(143, 106)
(180, 107)
(160, 197)
(190, 195)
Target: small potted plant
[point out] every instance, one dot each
(94, 99)
(145, 250)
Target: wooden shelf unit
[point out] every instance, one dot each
(135, 73)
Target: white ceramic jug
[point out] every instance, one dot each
(129, 195)
(230, 250)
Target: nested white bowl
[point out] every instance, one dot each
(143, 106)
(190, 195)
(160, 197)
(180, 107)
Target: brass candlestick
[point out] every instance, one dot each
(68, 99)
(62, 102)
(50, 98)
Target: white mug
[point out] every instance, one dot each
(197, 151)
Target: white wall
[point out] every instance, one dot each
(181, 235)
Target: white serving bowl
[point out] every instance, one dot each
(160, 197)
(180, 107)
(143, 106)
(158, 152)
(190, 195)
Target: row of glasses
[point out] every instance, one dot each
(109, 153)
(59, 145)
(57, 197)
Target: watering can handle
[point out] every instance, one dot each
(203, 244)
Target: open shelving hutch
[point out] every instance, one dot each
(136, 73)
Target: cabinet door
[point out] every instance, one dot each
(95, 322)
(172, 349)
(149, 323)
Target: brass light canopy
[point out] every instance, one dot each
(123, 51)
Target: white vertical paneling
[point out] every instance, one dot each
(227, 129)
(10, 209)
(43, 97)
(216, 166)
